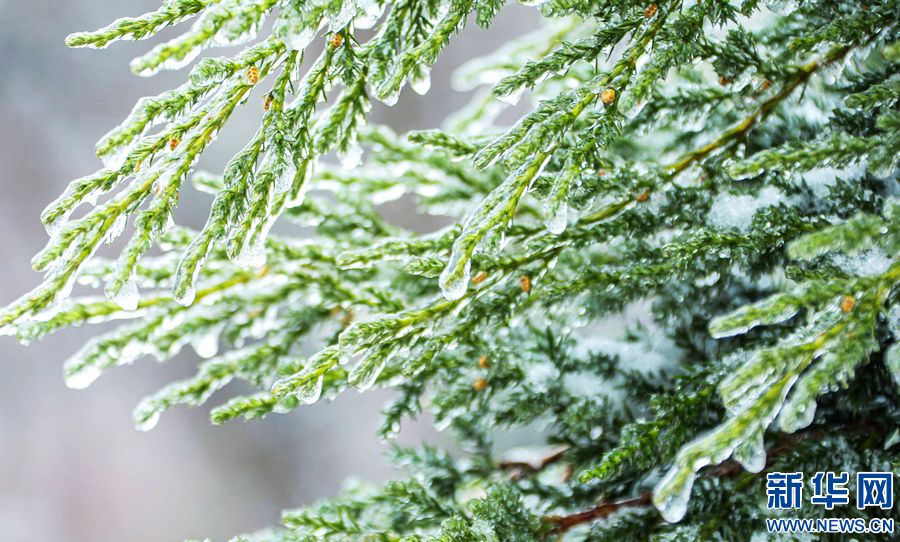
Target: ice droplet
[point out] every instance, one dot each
(725, 326)
(285, 181)
(128, 296)
(797, 413)
(299, 40)
(454, 286)
(557, 218)
(751, 454)
(146, 416)
(631, 106)
(52, 227)
(390, 98)
(443, 422)
(82, 377)
(171, 63)
(184, 294)
(237, 32)
(252, 254)
(365, 373)
(310, 391)
(351, 156)
(115, 159)
(512, 98)
(206, 345)
(339, 20)
(892, 360)
(671, 494)
(371, 12)
(116, 229)
(421, 82)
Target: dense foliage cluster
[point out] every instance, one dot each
(732, 165)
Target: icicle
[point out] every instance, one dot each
(392, 193)
(58, 296)
(61, 219)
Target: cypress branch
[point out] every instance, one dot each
(734, 164)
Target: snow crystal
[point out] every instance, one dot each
(588, 385)
(821, 179)
(868, 263)
(894, 321)
(655, 351)
(736, 211)
(539, 375)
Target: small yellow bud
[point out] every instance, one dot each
(847, 303)
(525, 283)
(608, 96)
(253, 75)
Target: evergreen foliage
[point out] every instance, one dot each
(734, 163)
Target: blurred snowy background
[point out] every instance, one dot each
(72, 468)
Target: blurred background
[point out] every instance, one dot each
(72, 467)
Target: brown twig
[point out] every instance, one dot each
(562, 524)
(520, 469)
